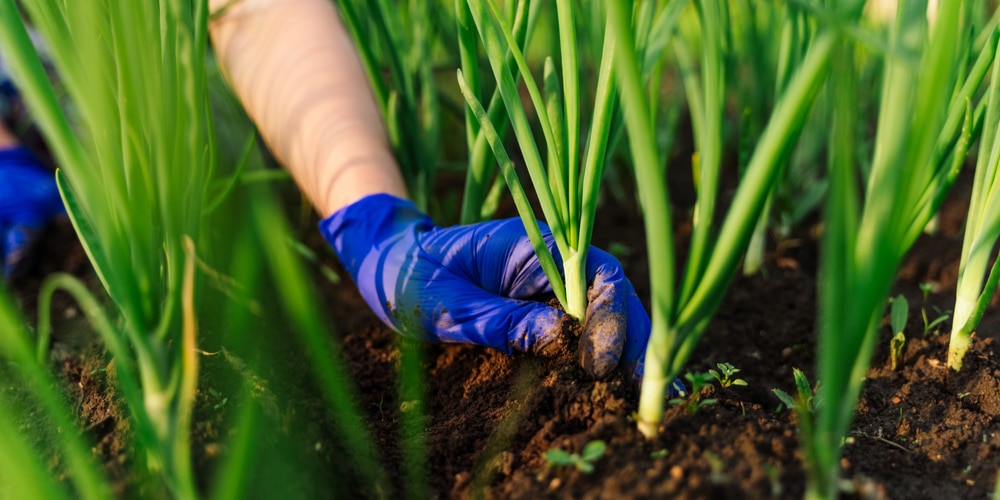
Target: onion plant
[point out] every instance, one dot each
(768, 40)
(483, 186)
(138, 155)
(137, 152)
(982, 230)
(396, 39)
(22, 472)
(135, 166)
(680, 316)
(920, 144)
(567, 184)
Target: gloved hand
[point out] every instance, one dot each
(479, 284)
(28, 200)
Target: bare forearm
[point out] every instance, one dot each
(296, 71)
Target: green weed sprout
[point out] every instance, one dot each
(680, 318)
(693, 401)
(805, 402)
(583, 461)
(920, 144)
(898, 313)
(942, 316)
(568, 187)
(931, 324)
(982, 230)
(725, 375)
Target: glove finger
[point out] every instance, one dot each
(469, 314)
(611, 291)
(16, 245)
(497, 256)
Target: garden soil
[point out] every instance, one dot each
(921, 431)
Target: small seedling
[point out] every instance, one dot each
(900, 311)
(619, 249)
(774, 477)
(584, 461)
(725, 375)
(663, 452)
(718, 467)
(693, 402)
(942, 316)
(931, 326)
(806, 401)
(222, 400)
(896, 348)
(926, 289)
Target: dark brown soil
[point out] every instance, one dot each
(921, 431)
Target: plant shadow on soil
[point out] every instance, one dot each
(921, 431)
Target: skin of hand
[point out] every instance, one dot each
(297, 74)
(29, 198)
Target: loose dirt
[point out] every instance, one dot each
(921, 431)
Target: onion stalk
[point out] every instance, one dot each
(920, 144)
(566, 184)
(408, 98)
(131, 208)
(679, 319)
(982, 230)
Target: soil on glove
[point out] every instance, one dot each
(921, 431)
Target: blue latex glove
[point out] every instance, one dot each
(28, 200)
(479, 284)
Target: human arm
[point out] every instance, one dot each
(297, 74)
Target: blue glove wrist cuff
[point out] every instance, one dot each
(374, 238)
(365, 226)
